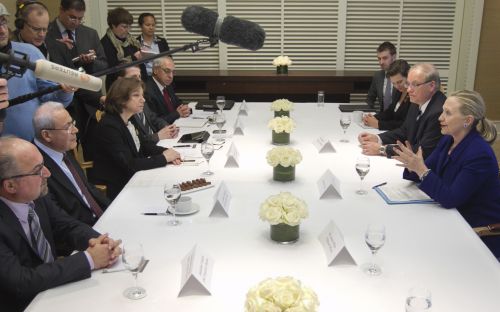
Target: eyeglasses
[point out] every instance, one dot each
(38, 171)
(75, 19)
(168, 71)
(37, 29)
(3, 23)
(415, 85)
(68, 129)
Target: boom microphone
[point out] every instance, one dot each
(54, 72)
(230, 30)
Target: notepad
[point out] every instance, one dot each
(403, 193)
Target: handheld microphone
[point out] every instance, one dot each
(54, 72)
(230, 30)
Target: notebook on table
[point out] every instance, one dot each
(349, 108)
(209, 105)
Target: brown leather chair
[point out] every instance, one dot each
(87, 165)
(489, 230)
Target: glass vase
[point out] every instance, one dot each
(283, 174)
(281, 113)
(282, 70)
(284, 233)
(281, 138)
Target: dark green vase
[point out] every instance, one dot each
(283, 174)
(281, 138)
(282, 70)
(281, 113)
(284, 233)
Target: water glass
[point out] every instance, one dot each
(220, 102)
(321, 98)
(133, 257)
(207, 150)
(418, 300)
(362, 168)
(172, 195)
(375, 239)
(345, 122)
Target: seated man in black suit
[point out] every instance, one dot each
(421, 127)
(159, 93)
(381, 88)
(55, 137)
(31, 223)
(151, 128)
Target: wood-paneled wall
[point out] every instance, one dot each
(488, 63)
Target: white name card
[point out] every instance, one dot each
(324, 145)
(243, 109)
(329, 186)
(238, 127)
(197, 268)
(334, 246)
(233, 157)
(222, 200)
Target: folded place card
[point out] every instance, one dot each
(324, 145)
(329, 186)
(233, 157)
(197, 267)
(238, 127)
(243, 109)
(334, 246)
(222, 200)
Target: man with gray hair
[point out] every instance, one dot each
(159, 93)
(421, 127)
(55, 137)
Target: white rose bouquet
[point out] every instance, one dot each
(281, 124)
(283, 208)
(282, 105)
(282, 61)
(282, 294)
(284, 156)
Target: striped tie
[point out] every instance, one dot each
(38, 240)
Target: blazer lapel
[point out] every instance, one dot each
(10, 220)
(58, 175)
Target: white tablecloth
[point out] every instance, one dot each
(426, 244)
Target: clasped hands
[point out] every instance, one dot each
(104, 251)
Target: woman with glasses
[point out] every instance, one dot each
(119, 151)
(119, 45)
(462, 171)
(394, 116)
(150, 42)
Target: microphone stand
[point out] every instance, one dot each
(199, 45)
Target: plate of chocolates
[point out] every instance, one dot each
(195, 185)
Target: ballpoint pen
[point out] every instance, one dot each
(378, 185)
(186, 145)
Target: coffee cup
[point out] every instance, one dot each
(184, 204)
(357, 116)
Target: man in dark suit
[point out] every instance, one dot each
(78, 46)
(55, 137)
(160, 95)
(381, 88)
(31, 223)
(421, 127)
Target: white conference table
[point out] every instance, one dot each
(426, 245)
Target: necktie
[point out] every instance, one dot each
(419, 114)
(168, 100)
(387, 94)
(94, 206)
(38, 240)
(73, 51)
(144, 122)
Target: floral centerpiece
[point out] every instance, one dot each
(282, 127)
(283, 160)
(282, 62)
(281, 294)
(282, 107)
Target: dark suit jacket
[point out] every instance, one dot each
(154, 98)
(22, 272)
(117, 159)
(86, 39)
(161, 42)
(466, 179)
(425, 132)
(390, 119)
(149, 132)
(376, 92)
(64, 193)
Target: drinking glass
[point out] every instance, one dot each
(220, 102)
(345, 121)
(418, 300)
(220, 121)
(207, 150)
(321, 98)
(133, 257)
(172, 195)
(362, 168)
(375, 239)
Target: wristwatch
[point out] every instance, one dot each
(381, 150)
